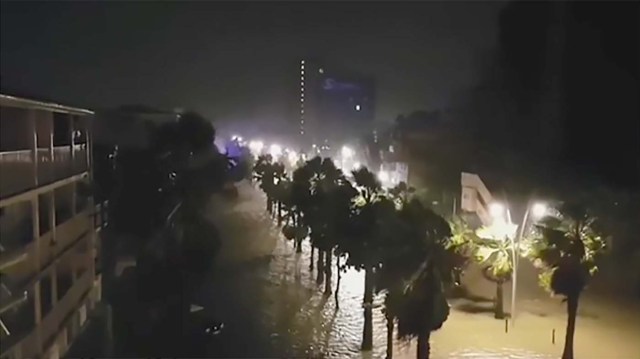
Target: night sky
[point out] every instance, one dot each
(230, 61)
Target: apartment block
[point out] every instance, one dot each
(49, 228)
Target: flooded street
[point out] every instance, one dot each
(271, 306)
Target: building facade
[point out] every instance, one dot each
(335, 105)
(49, 231)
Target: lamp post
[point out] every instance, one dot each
(346, 154)
(536, 210)
(502, 216)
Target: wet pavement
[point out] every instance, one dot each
(271, 306)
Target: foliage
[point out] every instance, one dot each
(495, 255)
(566, 248)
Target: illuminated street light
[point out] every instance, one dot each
(383, 176)
(256, 147)
(539, 210)
(496, 210)
(275, 151)
(293, 157)
(357, 107)
(347, 152)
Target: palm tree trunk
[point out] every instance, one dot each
(499, 310)
(279, 206)
(327, 272)
(572, 311)
(298, 245)
(367, 333)
(313, 252)
(424, 348)
(269, 205)
(389, 336)
(337, 280)
(320, 267)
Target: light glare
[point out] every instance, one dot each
(275, 150)
(539, 210)
(347, 152)
(496, 210)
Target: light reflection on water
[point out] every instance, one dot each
(299, 320)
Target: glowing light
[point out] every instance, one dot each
(321, 70)
(356, 165)
(357, 107)
(347, 152)
(383, 176)
(275, 150)
(256, 146)
(498, 231)
(496, 210)
(539, 210)
(293, 157)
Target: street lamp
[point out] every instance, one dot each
(275, 151)
(256, 147)
(293, 157)
(496, 210)
(347, 152)
(536, 210)
(383, 177)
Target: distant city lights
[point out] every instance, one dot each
(275, 150)
(256, 147)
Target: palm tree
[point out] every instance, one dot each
(566, 250)
(335, 196)
(263, 174)
(495, 255)
(362, 244)
(341, 211)
(301, 199)
(282, 195)
(396, 267)
(274, 190)
(461, 246)
(424, 309)
(423, 306)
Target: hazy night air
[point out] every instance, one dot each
(343, 179)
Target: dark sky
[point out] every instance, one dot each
(230, 60)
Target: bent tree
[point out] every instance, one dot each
(565, 249)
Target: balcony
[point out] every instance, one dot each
(25, 338)
(18, 173)
(18, 320)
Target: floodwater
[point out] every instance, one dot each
(271, 306)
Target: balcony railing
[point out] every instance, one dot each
(17, 167)
(26, 344)
(16, 172)
(16, 316)
(80, 158)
